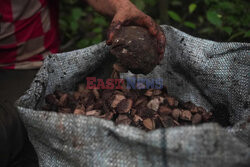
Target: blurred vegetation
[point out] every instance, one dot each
(219, 20)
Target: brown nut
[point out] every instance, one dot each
(96, 93)
(171, 101)
(167, 121)
(90, 107)
(108, 116)
(196, 119)
(63, 101)
(157, 92)
(106, 94)
(80, 110)
(176, 113)
(120, 92)
(116, 100)
(77, 95)
(140, 100)
(133, 112)
(149, 124)
(201, 110)
(51, 99)
(149, 92)
(176, 123)
(206, 116)
(155, 103)
(158, 123)
(194, 110)
(47, 108)
(131, 95)
(188, 105)
(82, 89)
(123, 119)
(164, 110)
(71, 102)
(146, 113)
(65, 110)
(186, 115)
(137, 118)
(93, 113)
(58, 94)
(124, 106)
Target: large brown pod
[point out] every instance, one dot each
(135, 49)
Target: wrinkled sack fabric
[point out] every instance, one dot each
(205, 72)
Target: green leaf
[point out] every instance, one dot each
(76, 13)
(227, 6)
(201, 20)
(228, 30)
(139, 4)
(100, 21)
(207, 30)
(176, 2)
(82, 43)
(97, 39)
(213, 18)
(207, 2)
(63, 24)
(192, 7)
(247, 34)
(190, 24)
(150, 2)
(97, 30)
(233, 21)
(235, 35)
(89, 9)
(174, 16)
(73, 26)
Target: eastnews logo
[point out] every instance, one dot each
(131, 83)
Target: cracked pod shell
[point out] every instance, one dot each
(135, 49)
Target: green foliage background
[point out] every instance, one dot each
(219, 20)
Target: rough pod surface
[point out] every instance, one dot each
(136, 49)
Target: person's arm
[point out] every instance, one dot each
(125, 13)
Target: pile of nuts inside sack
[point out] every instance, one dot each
(146, 109)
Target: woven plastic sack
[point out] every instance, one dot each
(205, 72)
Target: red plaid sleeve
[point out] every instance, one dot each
(28, 32)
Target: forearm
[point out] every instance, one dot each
(108, 7)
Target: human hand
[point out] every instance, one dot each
(127, 14)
